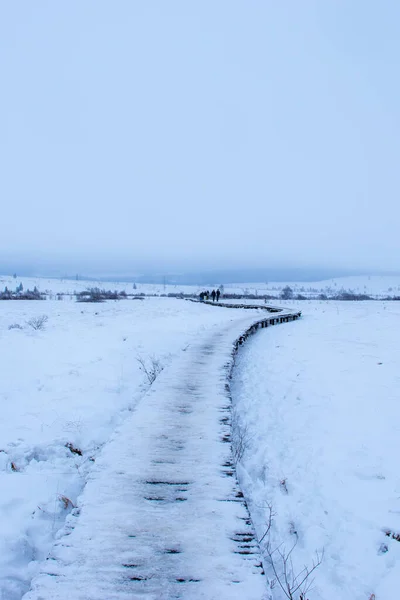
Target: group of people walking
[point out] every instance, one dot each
(215, 294)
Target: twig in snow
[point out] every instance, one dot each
(152, 370)
(285, 575)
(241, 438)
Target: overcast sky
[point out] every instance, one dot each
(200, 133)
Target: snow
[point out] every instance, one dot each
(75, 382)
(85, 442)
(319, 399)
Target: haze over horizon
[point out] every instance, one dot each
(196, 276)
(199, 136)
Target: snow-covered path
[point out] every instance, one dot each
(161, 516)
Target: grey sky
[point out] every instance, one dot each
(212, 132)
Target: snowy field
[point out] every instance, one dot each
(318, 401)
(74, 382)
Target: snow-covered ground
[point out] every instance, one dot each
(74, 382)
(318, 401)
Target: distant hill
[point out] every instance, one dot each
(237, 276)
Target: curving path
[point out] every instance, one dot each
(162, 516)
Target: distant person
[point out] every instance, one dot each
(218, 293)
(213, 294)
(201, 295)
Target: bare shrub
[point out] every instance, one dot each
(241, 438)
(151, 368)
(286, 577)
(15, 326)
(38, 323)
(271, 515)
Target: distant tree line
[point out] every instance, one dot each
(20, 294)
(96, 294)
(288, 294)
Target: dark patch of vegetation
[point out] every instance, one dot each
(19, 294)
(287, 293)
(343, 295)
(97, 295)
